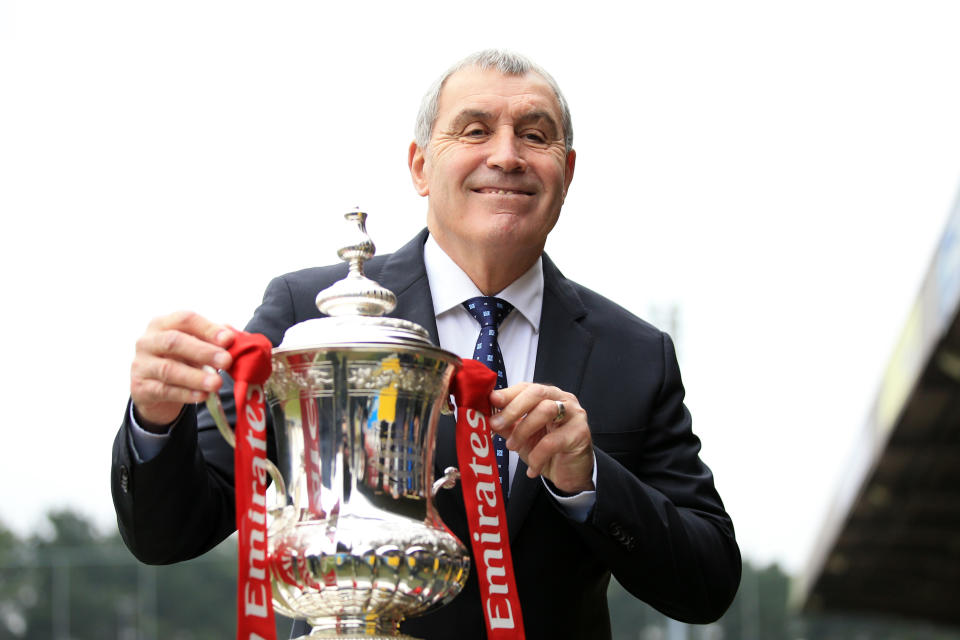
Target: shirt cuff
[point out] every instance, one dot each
(576, 506)
(144, 444)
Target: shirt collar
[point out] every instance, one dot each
(450, 286)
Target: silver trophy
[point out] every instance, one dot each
(355, 543)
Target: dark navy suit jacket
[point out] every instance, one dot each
(658, 524)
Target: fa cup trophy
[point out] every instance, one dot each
(354, 541)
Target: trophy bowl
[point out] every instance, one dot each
(355, 543)
(361, 546)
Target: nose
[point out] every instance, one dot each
(506, 152)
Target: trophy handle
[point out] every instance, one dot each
(220, 419)
(448, 481)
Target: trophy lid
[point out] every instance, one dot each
(355, 306)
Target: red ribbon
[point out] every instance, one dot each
(483, 497)
(251, 367)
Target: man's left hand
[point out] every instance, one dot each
(554, 443)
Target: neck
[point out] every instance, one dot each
(492, 267)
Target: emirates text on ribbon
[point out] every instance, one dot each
(488, 535)
(256, 589)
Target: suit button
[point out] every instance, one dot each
(617, 532)
(124, 478)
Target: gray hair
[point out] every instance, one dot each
(507, 63)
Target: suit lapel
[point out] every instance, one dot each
(562, 352)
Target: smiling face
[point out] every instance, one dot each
(495, 170)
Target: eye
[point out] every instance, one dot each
(534, 136)
(474, 131)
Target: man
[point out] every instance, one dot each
(604, 468)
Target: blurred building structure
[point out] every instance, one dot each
(891, 541)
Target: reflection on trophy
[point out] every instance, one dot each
(355, 543)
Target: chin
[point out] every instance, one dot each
(515, 231)
(504, 223)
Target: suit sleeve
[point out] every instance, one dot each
(658, 522)
(180, 504)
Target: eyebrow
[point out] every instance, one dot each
(467, 116)
(533, 116)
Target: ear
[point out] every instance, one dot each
(570, 163)
(415, 160)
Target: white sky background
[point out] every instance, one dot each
(780, 171)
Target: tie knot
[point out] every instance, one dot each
(489, 311)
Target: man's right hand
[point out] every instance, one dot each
(167, 370)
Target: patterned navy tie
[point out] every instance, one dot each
(490, 312)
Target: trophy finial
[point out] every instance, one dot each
(356, 294)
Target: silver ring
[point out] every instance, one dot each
(561, 412)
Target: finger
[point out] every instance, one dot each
(526, 404)
(547, 447)
(175, 374)
(524, 445)
(184, 347)
(539, 419)
(150, 393)
(563, 455)
(520, 400)
(500, 398)
(195, 325)
(539, 455)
